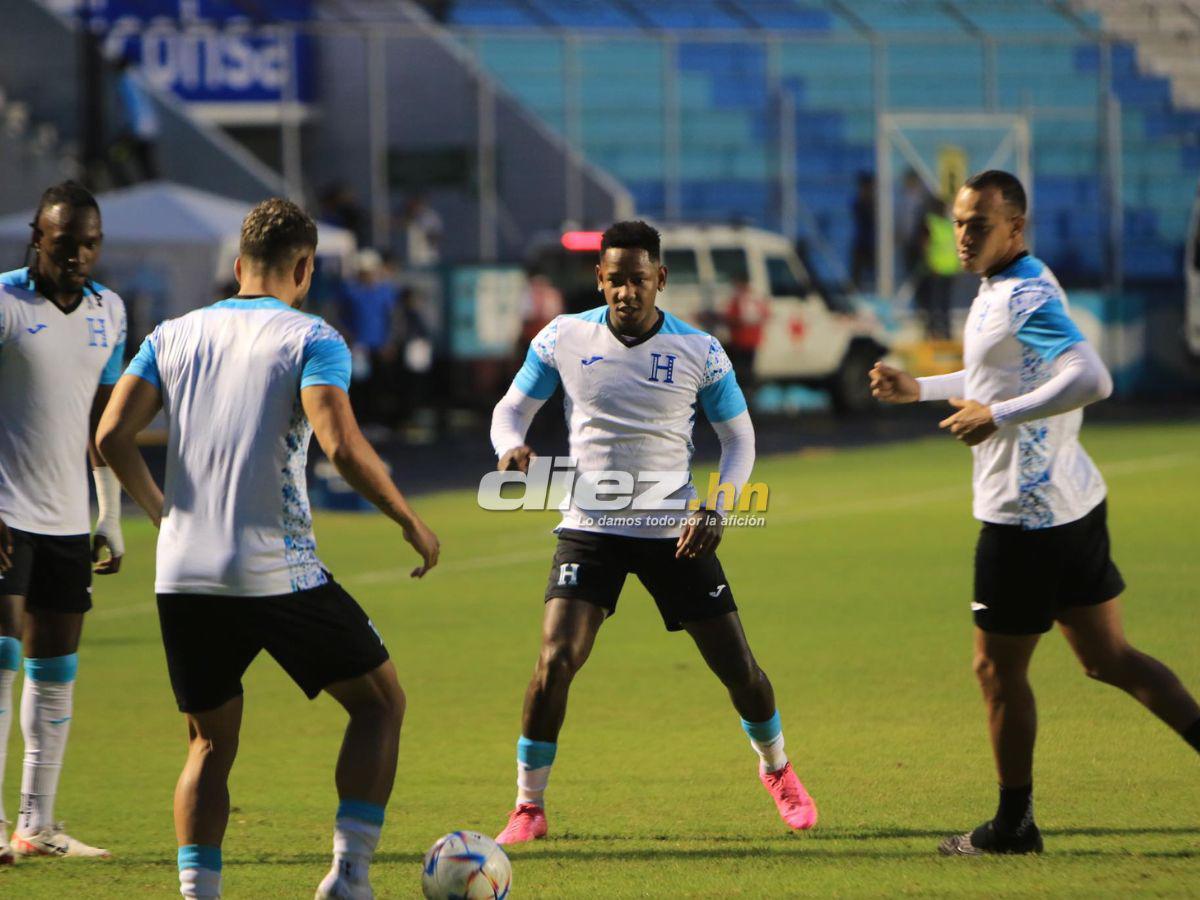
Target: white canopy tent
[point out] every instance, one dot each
(168, 248)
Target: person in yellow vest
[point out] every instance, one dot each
(941, 267)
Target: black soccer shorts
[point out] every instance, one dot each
(319, 636)
(592, 567)
(52, 572)
(1024, 579)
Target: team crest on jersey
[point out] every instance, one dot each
(664, 364)
(98, 334)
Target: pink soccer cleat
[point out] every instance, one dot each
(795, 806)
(525, 823)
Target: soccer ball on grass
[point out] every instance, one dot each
(466, 865)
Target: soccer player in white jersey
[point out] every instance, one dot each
(1043, 551)
(632, 375)
(62, 345)
(244, 384)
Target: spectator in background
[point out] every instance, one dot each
(911, 207)
(862, 254)
(369, 312)
(745, 318)
(338, 205)
(939, 267)
(134, 155)
(422, 233)
(543, 302)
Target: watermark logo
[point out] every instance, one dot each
(554, 481)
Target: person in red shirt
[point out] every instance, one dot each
(746, 317)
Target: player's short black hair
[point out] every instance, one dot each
(274, 231)
(1008, 184)
(72, 193)
(632, 235)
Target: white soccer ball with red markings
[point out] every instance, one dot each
(466, 865)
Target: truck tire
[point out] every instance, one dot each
(850, 387)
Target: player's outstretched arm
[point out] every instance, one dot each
(329, 412)
(134, 404)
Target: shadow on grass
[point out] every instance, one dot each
(810, 846)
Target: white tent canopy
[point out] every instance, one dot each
(167, 248)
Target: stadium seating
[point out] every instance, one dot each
(728, 66)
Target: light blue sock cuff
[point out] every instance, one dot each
(199, 856)
(10, 653)
(764, 731)
(52, 668)
(536, 754)
(371, 813)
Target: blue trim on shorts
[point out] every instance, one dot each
(199, 856)
(536, 754)
(764, 731)
(10, 653)
(371, 813)
(52, 668)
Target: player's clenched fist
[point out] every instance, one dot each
(892, 385)
(517, 459)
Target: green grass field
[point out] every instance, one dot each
(855, 599)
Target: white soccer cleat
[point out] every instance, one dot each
(337, 886)
(6, 851)
(53, 841)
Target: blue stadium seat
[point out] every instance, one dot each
(793, 16)
(690, 14)
(489, 13)
(584, 13)
(1016, 17)
(729, 103)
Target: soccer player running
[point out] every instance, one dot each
(632, 375)
(62, 346)
(245, 383)
(1043, 550)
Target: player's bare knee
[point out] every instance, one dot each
(741, 674)
(213, 751)
(987, 673)
(1108, 667)
(558, 664)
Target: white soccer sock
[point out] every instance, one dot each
(200, 883)
(46, 704)
(199, 871)
(767, 740)
(771, 753)
(354, 843)
(10, 658)
(534, 761)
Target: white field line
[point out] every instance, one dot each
(816, 513)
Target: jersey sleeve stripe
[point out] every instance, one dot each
(723, 399)
(1049, 330)
(536, 379)
(145, 364)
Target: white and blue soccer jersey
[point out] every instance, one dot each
(1035, 474)
(630, 407)
(236, 519)
(51, 363)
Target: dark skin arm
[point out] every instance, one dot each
(112, 564)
